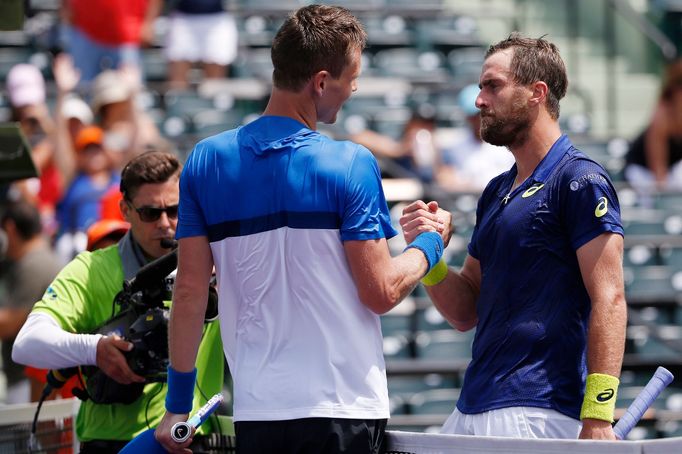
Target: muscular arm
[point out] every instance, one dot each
(455, 297)
(195, 263)
(383, 281)
(600, 263)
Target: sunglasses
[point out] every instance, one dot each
(152, 214)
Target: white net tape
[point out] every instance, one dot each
(421, 443)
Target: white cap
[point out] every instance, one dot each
(74, 107)
(25, 85)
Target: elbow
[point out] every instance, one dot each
(380, 301)
(464, 326)
(20, 353)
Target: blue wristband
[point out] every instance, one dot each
(180, 393)
(431, 244)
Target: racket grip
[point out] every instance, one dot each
(661, 378)
(181, 431)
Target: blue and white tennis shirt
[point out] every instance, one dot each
(533, 310)
(276, 201)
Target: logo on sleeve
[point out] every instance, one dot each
(602, 207)
(605, 395)
(532, 190)
(50, 294)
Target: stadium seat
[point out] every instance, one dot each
(212, 121)
(185, 103)
(407, 385)
(410, 63)
(154, 65)
(397, 345)
(465, 64)
(254, 62)
(434, 402)
(640, 255)
(429, 319)
(392, 323)
(649, 283)
(669, 200)
(444, 344)
(656, 341)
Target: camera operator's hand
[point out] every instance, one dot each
(163, 434)
(112, 362)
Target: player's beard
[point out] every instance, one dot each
(509, 129)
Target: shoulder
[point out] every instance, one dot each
(218, 142)
(88, 265)
(578, 169)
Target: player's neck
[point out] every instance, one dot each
(535, 146)
(284, 103)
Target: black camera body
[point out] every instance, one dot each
(142, 321)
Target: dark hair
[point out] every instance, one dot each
(312, 39)
(536, 60)
(25, 217)
(151, 167)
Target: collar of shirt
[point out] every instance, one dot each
(541, 172)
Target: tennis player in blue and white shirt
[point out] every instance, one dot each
(296, 225)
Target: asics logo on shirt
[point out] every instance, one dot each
(532, 190)
(606, 395)
(602, 207)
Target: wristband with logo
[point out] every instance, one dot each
(431, 244)
(180, 391)
(437, 274)
(600, 397)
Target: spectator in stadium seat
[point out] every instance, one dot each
(296, 225)
(129, 131)
(416, 151)
(543, 281)
(469, 163)
(108, 34)
(26, 92)
(80, 206)
(199, 31)
(31, 267)
(654, 160)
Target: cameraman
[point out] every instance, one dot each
(80, 300)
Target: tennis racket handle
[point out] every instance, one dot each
(662, 378)
(181, 431)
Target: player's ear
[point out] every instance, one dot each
(320, 81)
(539, 93)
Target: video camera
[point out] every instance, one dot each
(143, 321)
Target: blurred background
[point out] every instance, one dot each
(163, 88)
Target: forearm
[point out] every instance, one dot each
(64, 156)
(455, 298)
(186, 323)
(383, 281)
(42, 343)
(606, 336)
